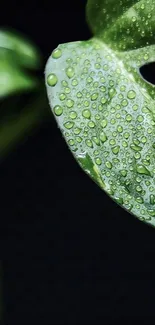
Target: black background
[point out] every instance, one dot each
(71, 255)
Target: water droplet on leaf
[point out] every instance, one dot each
(68, 125)
(56, 54)
(58, 110)
(142, 170)
(52, 80)
(70, 72)
(86, 113)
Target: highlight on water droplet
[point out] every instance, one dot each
(74, 82)
(119, 129)
(131, 94)
(141, 169)
(89, 143)
(62, 96)
(70, 103)
(73, 115)
(123, 172)
(98, 161)
(108, 164)
(96, 140)
(58, 110)
(70, 72)
(134, 19)
(146, 56)
(103, 123)
(94, 96)
(52, 79)
(118, 200)
(56, 54)
(91, 124)
(79, 139)
(71, 142)
(68, 125)
(152, 199)
(115, 150)
(103, 137)
(77, 131)
(86, 113)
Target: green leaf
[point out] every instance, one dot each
(16, 55)
(103, 106)
(14, 126)
(28, 54)
(12, 77)
(124, 24)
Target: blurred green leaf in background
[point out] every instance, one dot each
(12, 76)
(16, 55)
(22, 96)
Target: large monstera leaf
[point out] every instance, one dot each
(103, 106)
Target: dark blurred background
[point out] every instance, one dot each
(70, 254)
